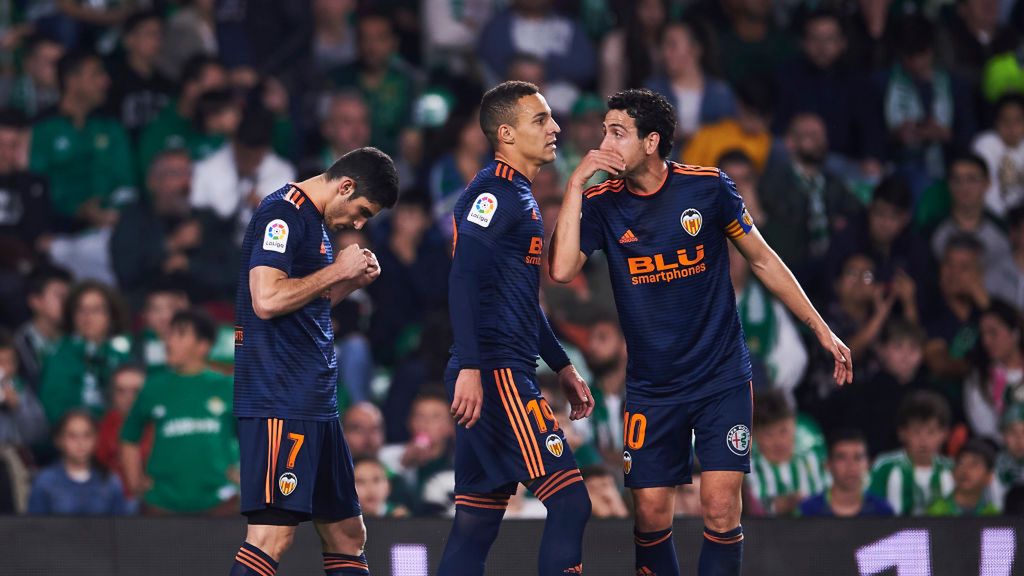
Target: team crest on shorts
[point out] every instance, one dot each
(738, 440)
(287, 483)
(554, 444)
(691, 221)
(627, 462)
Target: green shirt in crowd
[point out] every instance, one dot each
(391, 101)
(948, 507)
(195, 445)
(910, 490)
(78, 373)
(170, 130)
(94, 161)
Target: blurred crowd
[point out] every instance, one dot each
(878, 144)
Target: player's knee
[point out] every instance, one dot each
(653, 510)
(273, 540)
(345, 537)
(721, 512)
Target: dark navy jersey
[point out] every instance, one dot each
(498, 211)
(285, 367)
(669, 264)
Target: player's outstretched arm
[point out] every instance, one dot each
(565, 258)
(776, 276)
(275, 294)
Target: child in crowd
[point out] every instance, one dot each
(972, 477)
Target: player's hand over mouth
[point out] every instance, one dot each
(595, 161)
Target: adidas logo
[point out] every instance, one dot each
(645, 571)
(628, 237)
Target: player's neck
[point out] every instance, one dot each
(519, 164)
(317, 189)
(649, 178)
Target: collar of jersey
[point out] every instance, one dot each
(668, 177)
(310, 200)
(503, 170)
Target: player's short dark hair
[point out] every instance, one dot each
(771, 407)
(256, 130)
(195, 66)
(894, 190)
(499, 106)
(72, 63)
(964, 241)
(373, 172)
(202, 325)
(735, 156)
(923, 406)
(116, 309)
(899, 330)
(43, 276)
(845, 435)
(968, 158)
(138, 19)
(596, 471)
(981, 448)
(652, 113)
(914, 34)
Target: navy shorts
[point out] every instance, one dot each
(658, 450)
(301, 466)
(517, 439)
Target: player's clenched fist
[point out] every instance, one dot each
(352, 263)
(372, 269)
(596, 160)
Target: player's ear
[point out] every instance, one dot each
(506, 134)
(346, 186)
(651, 143)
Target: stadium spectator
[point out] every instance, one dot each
(194, 465)
(74, 485)
(972, 36)
(374, 489)
(416, 256)
(363, 425)
(344, 127)
(768, 328)
(22, 422)
(952, 324)
(805, 203)
(178, 125)
(162, 303)
(1009, 469)
(872, 402)
(781, 476)
(78, 373)
(821, 81)
(925, 108)
(36, 89)
(382, 77)
(86, 157)
(425, 462)
(527, 68)
(25, 209)
(453, 171)
(847, 497)
(125, 385)
(36, 339)
(417, 371)
(750, 46)
(584, 133)
(138, 89)
(917, 476)
(235, 179)
(189, 32)
(605, 499)
(972, 478)
(451, 31)
(699, 99)
(334, 34)
(997, 378)
(631, 53)
(605, 352)
(747, 132)
(534, 27)
(967, 179)
(740, 168)
(1002, 148)
(1006, 279)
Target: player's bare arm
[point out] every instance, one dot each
(468, 397)
(776, 276)
(275, 294)
(565, 258)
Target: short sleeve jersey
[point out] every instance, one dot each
(669, 264)
(285, 367)
(498, 209)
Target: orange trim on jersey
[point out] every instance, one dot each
(613, 185)
(531, 439)
(455, 236)
(270, 452)
(513, 421)
(568, 481)
(649, 543)
(276, 426)
(300, 201)
(252, 557)
(733, 540)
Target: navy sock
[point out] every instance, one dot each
(655, 553)
(251, 561)
(565, 496)
(477, 520)
(343, 564)
(722, 553)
